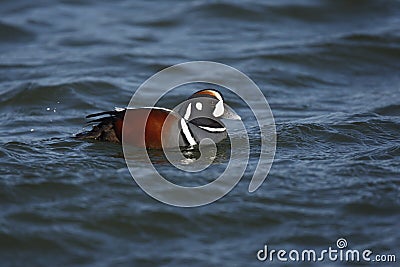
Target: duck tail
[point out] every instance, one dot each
(105, 129)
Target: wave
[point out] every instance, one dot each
(355, 131)
(13, 33)
(74, 95)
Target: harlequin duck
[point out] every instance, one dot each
(196, 118)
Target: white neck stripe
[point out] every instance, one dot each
(187, 133)
(188, 112)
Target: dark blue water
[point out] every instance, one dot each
(330, 71)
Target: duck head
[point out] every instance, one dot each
(202, 114)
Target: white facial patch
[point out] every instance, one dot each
(188, 112)
(199, 106)
(219, 109)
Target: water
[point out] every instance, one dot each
(330, 71)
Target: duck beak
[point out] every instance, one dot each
(230, 114)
